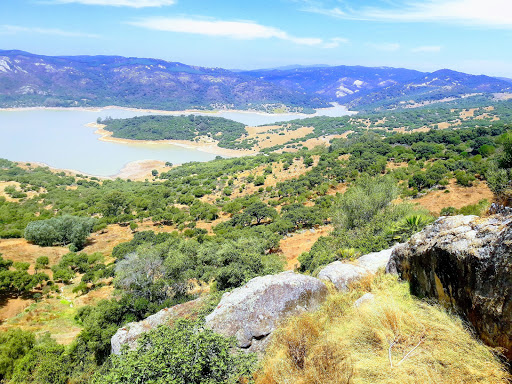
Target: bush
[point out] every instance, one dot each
(45, 363)
(184, 354)
(61, 230)
(14, 344)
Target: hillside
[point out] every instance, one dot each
(70, 81)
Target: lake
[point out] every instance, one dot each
(61, 139)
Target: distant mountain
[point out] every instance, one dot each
(507, 79)
(364, 88)
(33, 80)
(335, 83)
(442, 85)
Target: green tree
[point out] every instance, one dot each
(260, 211)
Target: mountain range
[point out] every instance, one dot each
(34, 80)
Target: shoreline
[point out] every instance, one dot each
(137, 170)
(180, 112)
(209, 147)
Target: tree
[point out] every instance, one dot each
(114, 204)
(62, 230)
(141, 273)
(260, 211)
(361, 202)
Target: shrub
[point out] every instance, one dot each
(184, 354)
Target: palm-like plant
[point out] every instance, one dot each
(408, 226)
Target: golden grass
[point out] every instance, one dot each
(393, 339)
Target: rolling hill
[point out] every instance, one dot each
(65, 81)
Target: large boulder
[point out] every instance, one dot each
(252, 312)
(466, 263)
(130, 333)
(341, 274)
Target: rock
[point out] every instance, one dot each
(252, 312)
(130, 333)
(366, 298)
(341, 274)
(466, 263)
(374, 261)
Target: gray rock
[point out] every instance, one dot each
(130, 333)
(366, 298)
(466, 263)
(252, 312)
(374, 261)
(341, 274)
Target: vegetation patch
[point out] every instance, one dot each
(177, 128)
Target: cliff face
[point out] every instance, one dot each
(465, 262)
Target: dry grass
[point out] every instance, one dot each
(292, 247)
(393, 339)
(458, 197)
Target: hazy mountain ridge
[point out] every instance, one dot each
(34, 80)
(29, 80)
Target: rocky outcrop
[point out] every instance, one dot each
(341, 274)
(130, 333)
(466, 263)
(252, 312)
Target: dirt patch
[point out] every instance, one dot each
(20, 250)
(4, 184)
(269, 136)
(292, 247)
(458, 197)
(140, 170)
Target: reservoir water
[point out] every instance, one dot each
(61, 139)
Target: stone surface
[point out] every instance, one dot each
(341, 274)
(367, 297)
(252, 312)
(130, 333)
(466, 263)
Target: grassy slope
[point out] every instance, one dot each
(394, 339)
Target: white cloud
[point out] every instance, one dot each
(385, 47)
(14, 29)
(121, 3)
(241, 30)
(334, 12)
(489, 13)
(335, 42)
(427, 49)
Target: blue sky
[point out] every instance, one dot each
(473, 36)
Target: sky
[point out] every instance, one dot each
(473, 36)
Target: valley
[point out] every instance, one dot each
(267, 206)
